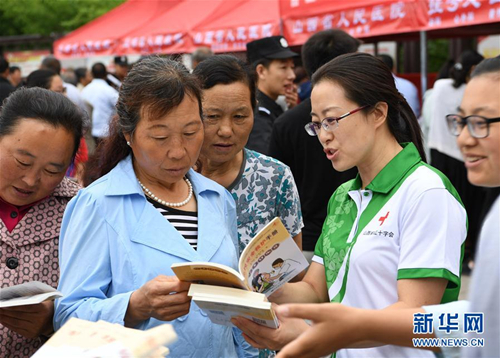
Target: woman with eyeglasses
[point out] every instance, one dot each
(336, 326)
(393, 236)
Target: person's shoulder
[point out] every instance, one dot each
(262, 111)
(202, 183)
(262, 160)
(70, 86)
(96, 191)
(67, 188)
(299, 115)
(405, 83)
(425, 178)
(443, 84)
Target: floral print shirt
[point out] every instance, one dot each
(263, 190)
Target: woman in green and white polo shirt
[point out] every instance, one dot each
(393, 236)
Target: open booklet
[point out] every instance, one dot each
(269, 261)
(28, 293)
(84, 339)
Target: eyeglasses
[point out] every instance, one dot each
(478, 126)
(329, 124)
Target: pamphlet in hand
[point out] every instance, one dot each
(269, 261)
(84, 339)
(28, 293)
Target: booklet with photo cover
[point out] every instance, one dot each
(85, 339)
(28, 293)
(269, 261)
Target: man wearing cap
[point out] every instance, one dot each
(121, 70)
(272, 61)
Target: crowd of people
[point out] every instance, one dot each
(108, 181)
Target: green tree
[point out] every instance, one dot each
(45, 17)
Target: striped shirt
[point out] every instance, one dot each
(185, 222)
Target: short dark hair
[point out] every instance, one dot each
(324, 46)
(99, 70)
(13, 69)
(80, 73)
(51, 63)
(225, 69)
(277, 261)
(366, 81)
(40, 78)
(201, 54)
(155, 86)
(266, 62)
(4, 64)
(461, 71)
(487, 66)
(43, 105)
(389, 62)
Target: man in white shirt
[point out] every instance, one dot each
(405, 87)
(102, 98)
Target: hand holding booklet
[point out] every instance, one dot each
(28, 293)
(84, 339)
(269, 261)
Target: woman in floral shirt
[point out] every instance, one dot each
(262, 187)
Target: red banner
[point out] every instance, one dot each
(238, 23)
(455, 13)
(366, 18)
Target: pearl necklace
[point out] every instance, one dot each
(166, 203)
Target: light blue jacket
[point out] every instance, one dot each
(113, 241)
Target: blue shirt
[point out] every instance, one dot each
(113, 241)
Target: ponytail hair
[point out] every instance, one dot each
(367, 80)
(461, 71)
(154, 87)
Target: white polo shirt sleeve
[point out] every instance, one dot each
(432, 232)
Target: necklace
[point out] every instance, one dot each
(166, 203)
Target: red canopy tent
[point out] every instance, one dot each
(179, 26)
(168, 32)
(103, 35)
(236, 23)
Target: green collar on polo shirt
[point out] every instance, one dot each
(393, 172)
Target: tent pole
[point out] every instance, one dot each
(423, 61)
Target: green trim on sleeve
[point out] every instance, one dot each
(452, 289)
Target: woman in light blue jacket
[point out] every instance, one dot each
(145, 210)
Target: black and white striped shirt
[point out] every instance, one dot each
(185, 222)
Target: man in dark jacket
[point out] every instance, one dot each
(6, 87)
(313, 173)
(272, 61)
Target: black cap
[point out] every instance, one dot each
(274, 47)
(121, 60)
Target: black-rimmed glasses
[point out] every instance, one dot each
(329, 124)
(478, 126)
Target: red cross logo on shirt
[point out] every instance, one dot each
(382, 218)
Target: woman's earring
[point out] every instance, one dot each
(128, 143)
